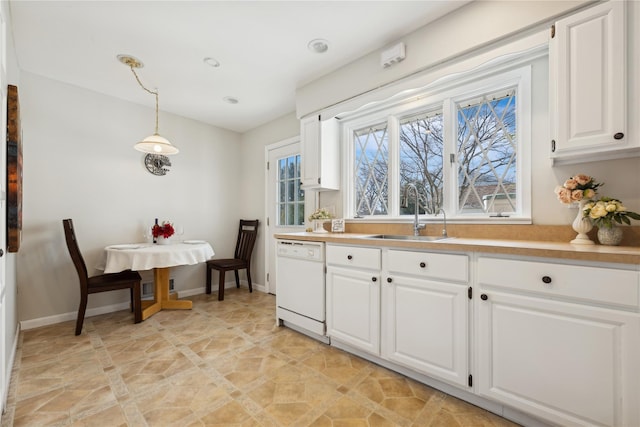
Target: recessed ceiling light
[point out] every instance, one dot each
(212, 62)
(230, 100)
(318, 45)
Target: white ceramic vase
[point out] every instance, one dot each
(318, 226)
(163, 241)
(582, 226)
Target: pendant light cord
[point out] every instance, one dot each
(150, 91)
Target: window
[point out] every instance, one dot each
(372, 170)
(465, 149)
(486, 149)
(290, 195)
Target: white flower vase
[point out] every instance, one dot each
(163, 240)
(318, 226)
(582, 226)
(610, 236)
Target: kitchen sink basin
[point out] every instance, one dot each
(405, 237)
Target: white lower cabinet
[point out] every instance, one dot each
(415, 317)
(552, 354)
(425, 319)
(353, 308)
(353, 296)
(425, 326)
(555, 340)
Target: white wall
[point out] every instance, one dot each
(79, 163)
(467, 30)
(253, 184)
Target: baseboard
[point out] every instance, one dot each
(65, 317)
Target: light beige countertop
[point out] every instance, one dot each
(556, 250)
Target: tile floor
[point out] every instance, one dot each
(222, 363)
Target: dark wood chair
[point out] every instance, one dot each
(247, 233)
(100, 283)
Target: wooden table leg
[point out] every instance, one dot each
(162, 298)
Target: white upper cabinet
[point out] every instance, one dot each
(588, 85)
(320, 156)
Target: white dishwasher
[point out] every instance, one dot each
(300, 295)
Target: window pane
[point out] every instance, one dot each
(300, 190)
(421, 157)
(486, 154)
(291, 167)
(290, 195)
(282, 192)
(371, 170)
(300, 213)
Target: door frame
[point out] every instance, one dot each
(269, 241)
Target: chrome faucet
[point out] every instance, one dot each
(416, 223)
(444, 227)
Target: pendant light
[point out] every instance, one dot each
(153, 144)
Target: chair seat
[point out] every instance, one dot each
(226, 263)
(113, 280)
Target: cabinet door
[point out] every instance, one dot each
(425, 327)
(310, 151)
(319, 154)
(353, 308)
(588, 82)
(567, 363)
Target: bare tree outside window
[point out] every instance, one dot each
(372, 170)
(421, 157)
(486, 154)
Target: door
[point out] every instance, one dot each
(588, 89)
(426, 327)
(285, 199)
(353, 308)
(567, 363)
(7, 334)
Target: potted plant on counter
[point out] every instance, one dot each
(606, 213)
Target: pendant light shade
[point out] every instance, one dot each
(153, 144)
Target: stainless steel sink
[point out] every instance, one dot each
(405, 237)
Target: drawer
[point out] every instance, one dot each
(429, 265)
(597, 284)
(353, 256)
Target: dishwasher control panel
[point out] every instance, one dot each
(312, 251)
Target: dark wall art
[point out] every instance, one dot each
(14, 171)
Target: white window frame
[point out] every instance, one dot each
(464, 86)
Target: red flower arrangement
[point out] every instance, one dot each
(165, 230)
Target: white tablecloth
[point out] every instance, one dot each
(146, 256)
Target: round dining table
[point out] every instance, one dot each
(160, 258)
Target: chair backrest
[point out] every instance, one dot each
(247, 234)
(74, 251)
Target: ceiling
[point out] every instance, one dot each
(261, 47)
